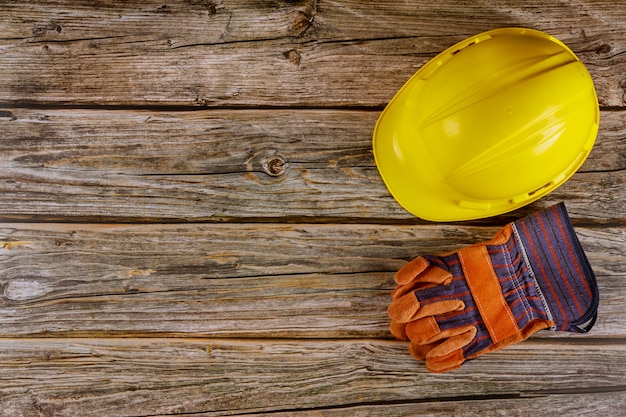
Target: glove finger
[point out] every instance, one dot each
(423, 331)
(448, 354)
(423, 327)
(398, 330)
(419, 351)
(454, 360)
(426, 330)
(422, 346)
(464, 335)
(409, 271)
(402, 309)
(430, 277)
(439, 307)
(408, 308)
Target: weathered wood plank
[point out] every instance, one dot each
(239, 53)
(143, 142)
(562, 404)
(202, 142)
(237, 280)
(333, 194)
(224, 165)
(220, 377)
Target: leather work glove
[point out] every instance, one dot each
(532, 275)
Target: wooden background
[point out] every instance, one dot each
(192, 222)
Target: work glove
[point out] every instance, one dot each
(533, 275)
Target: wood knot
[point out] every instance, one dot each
(300, 22)
(603, 49)
(293, 56)
(24, 289)
(275, 166)
(211, 8)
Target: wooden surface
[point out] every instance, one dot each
(192, 222)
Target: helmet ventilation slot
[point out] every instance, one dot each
(543, 187)
(464, 47)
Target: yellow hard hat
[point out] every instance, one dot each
(491, 124)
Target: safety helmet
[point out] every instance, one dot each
(491, 124)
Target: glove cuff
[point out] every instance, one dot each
(561, 272)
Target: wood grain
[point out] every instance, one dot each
(566, 405)
(143, 377)
(206, 232)
(224, 165)
(236, 280)
(257, 53)
(146, 142)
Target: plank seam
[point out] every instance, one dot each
(439, 400)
